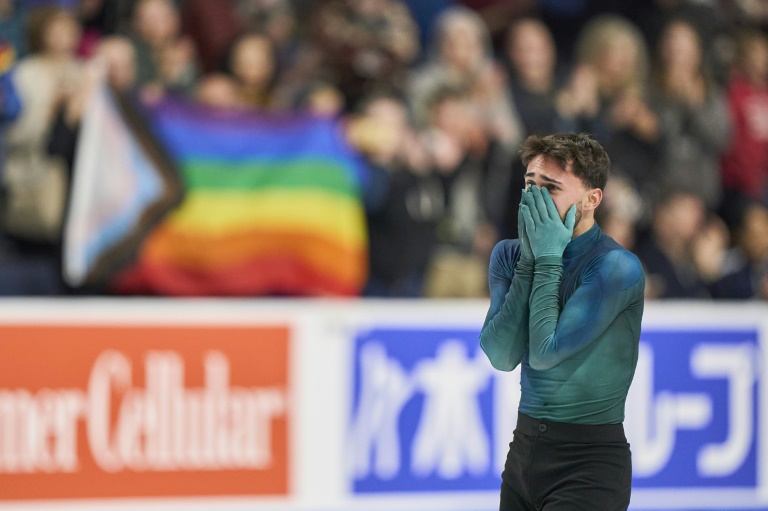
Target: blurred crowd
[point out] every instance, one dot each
(437, 95)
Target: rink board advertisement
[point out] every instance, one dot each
(323, 405)
(423, 412)
(139, 411)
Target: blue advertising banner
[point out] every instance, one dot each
(694, 416)
(423, 412)
(427, 417)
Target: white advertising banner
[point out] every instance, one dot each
(344, 405)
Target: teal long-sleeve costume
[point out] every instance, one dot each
(572, 322)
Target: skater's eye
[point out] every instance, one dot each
(551, 187)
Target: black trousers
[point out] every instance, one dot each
(571, 467)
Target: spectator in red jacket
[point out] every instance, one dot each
(744, 166)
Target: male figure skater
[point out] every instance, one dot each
(566, 304)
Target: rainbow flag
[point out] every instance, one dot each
(272, 206)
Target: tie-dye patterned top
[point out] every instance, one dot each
(571, 322)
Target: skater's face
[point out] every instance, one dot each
(565, 188)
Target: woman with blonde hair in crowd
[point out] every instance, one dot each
(472, 130)
(460, 57)
(607, 95)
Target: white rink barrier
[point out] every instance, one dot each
(325, 405)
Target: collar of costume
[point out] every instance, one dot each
(581, 243)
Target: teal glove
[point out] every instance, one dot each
(548, 235)
(526, 254)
